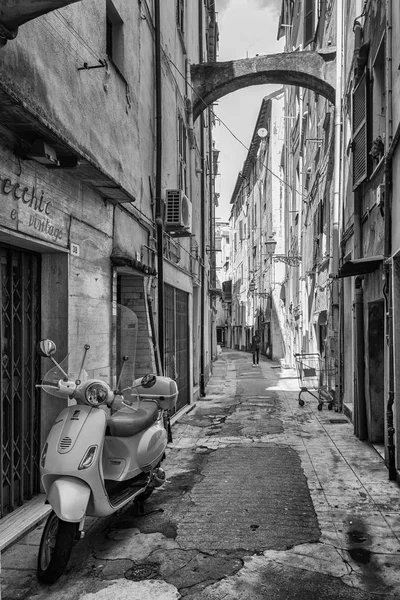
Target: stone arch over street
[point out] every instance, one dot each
(312, 70)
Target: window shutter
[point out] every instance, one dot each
(359, 114)
(180, 14)
(309, 22)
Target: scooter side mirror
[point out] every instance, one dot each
(148, 380)
(46, 348)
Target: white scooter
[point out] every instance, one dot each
(101, 453)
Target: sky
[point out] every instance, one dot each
(246, 28)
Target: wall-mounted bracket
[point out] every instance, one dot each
(86, 66)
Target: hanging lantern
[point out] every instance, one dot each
(270, 245)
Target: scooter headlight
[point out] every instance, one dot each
(96, 393)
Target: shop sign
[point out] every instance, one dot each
(28, 209)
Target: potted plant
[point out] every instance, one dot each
(377, 149)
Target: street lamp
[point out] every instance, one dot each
(253, 292)
(290, 259)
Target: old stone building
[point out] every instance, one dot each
(339, 236)
(341, 158)
(258, 244)
(106, 194)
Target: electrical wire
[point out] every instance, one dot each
(80, 39)
(59, 39)
(225, 125)
(63, 20)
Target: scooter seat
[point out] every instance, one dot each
(126, 424)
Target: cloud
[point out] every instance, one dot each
(273, 5)
(221, 5)
(247, 28)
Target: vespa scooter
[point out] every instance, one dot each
(102, 452)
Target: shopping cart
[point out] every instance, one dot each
(316, 376)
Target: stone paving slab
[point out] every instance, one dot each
(272, 511)
(264, 499)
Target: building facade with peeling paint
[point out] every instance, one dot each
(341, 162)
(257, 217)
(106, 194)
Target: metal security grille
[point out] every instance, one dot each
(173, 208)
(176, 354)
(19, 399)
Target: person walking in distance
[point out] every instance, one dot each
(255, 347)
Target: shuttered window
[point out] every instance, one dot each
(309, 22)
(180, 15)
(182, 154)
(359, 115)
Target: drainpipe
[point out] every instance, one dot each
(203, 301)
(159, 215)
(334, 249)
(213, 272)
(391, 456)
(338, 131)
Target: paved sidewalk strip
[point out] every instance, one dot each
(260, 492)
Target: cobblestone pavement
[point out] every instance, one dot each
(264, 499)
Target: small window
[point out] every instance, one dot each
(182, 154)
(114, 36)
(309, 22)
(318, 231)
(378, 103)
(180, 15)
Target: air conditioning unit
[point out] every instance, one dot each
(178, 210)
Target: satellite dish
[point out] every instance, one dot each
(262, 132)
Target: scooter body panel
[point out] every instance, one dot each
(151, 446)
(74, 431)
(69, 497)
(80, 427)
(127, 457)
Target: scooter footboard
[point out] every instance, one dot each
(69, 497)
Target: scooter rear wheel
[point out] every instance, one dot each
(55, 548)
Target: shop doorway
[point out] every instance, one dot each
(176, 352)
(376, 349)
(20, 372)
(221, 336)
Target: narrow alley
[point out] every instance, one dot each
(265, 499)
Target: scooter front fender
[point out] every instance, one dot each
(69, 497)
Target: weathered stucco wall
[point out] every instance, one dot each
(396, 122)
(97, 111)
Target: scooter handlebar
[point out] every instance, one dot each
(62, 389)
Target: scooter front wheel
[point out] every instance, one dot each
(55, 548)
